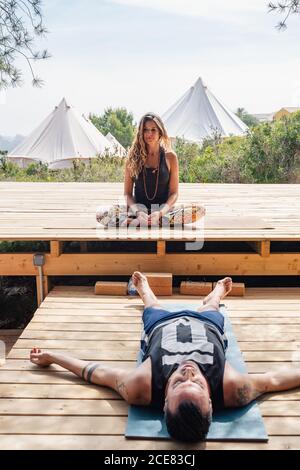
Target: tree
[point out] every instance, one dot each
(20, 22)
(272, 151)
(286, 8)
(247, 118)
(119, 122)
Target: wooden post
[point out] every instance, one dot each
(161, 248)
(262, 247)
(38, 290)
(46, 285)
(56, 248)
(83, 247)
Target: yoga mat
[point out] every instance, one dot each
(241, 424)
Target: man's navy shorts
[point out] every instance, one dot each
(153, 316)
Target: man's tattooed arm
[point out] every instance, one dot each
(88, 370)
(245, 393)
(122, 389)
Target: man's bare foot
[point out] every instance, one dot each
(40, 358)
(222, 288)
(140, 282)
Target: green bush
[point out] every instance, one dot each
(272, 151)
(99, 169)
(269, 153)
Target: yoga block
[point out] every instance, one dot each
(160, 283)
(238, 289)
(195, 288)
(110, 288)
(157, 290)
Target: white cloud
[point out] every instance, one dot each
(210, 9)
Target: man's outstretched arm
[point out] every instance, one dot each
(244, 388)
(127, 383)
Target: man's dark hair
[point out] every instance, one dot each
(188, 423)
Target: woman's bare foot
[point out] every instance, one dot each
(222, 288)
(141, 284)
(40, 358)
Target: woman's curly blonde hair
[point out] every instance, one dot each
(137, 154)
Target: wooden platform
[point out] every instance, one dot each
(258, 219)
(52, 409)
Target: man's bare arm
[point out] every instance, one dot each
(127, 383)
(244, 388)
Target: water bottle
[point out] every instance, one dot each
(131, 289)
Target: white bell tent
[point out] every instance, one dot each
(63, 136)
(117, 148)
(198, 114)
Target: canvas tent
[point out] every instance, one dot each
(64, 135)
(198, 114)
(117, 148)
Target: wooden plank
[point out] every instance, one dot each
(86, 319)
(77, 344)
(262, 367)
(103, 425)
(31, 334)
(79, 264)
(88, 327)
(284, 408)
(62, 425)
(59, 391)
(63, 407)
(283, 427)
(272, 356)
(68, 442)
(26, 365)
(132, 313)
(90, 355)
(38, 376)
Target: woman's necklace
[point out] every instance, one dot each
(156, 183)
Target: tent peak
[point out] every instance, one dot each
(63, 104)
(198, 113)
(200, 83)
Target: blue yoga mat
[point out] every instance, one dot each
(241, 424)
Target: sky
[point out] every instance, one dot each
(145, 54)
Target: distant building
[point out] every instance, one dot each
(269, 117)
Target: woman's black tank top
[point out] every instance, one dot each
(150, 181)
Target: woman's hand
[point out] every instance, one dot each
(154, 218)
(143, 219)
(40, 358)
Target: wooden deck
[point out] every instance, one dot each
(52, 409)
(64, 211)
(261, 219)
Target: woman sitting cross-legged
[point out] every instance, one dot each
(151, 183)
